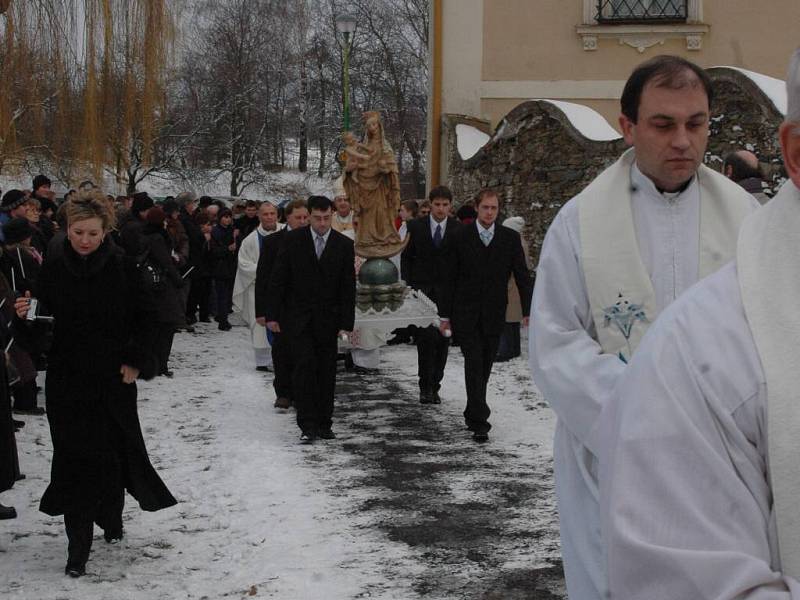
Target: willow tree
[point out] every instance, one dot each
(83, 81)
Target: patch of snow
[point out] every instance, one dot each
(586, 120)
(469, 140)
(775, 89)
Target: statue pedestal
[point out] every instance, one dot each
(383, 304)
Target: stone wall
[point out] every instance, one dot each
(537, 160)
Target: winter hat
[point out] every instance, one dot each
(13, 199)
(515, 223)
(170, 206)
(141, 202)
(156, 216)
(39, 181)
(17, 230)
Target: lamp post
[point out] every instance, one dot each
(346, 25)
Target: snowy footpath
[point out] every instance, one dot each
(402, 505)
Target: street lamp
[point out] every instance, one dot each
(346, 25)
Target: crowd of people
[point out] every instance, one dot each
(673, 479)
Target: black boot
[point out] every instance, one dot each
(7, 512)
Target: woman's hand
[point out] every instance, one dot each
(22, 305)
(129, 374)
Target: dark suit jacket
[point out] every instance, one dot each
(422, 265)
(303, 291)
(266, 262)
(476, 288)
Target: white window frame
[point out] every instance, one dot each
(645, 35)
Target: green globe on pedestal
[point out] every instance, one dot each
(378, 271)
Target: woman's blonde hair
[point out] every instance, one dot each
(90, 204)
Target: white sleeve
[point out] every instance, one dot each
(567, 364)
(685, 508)
(248, 255)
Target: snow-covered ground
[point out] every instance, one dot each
(402, 505)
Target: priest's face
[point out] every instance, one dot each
(268, 215)
(671, 133)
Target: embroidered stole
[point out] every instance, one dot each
(621, 295)
(769, 278)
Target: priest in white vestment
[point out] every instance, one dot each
(244, 292)
(700, 485)
(615, 256)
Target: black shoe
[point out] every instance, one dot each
(306, 439)
(225, 326)
(426, 397)
(19, 477)
(75, 571)
(327, 434)
(205, 319)
(113, 537)
(191, 320)
(282, 402)
(363, 370)
(167, 373)
(18, 424)
(189, 329)
(263, 368)
(480, 437)
(36, 411)
(435, 399)
(7, 512)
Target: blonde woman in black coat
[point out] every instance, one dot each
(102, 342)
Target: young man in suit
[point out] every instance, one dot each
(423, 265)
(312, 291)
(296, 214)
(484, 255)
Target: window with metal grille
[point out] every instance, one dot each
(639, 11)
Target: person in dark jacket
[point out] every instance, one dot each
(9, 459)
(248, 222)
(102, 343)
(171, 313)
(484, 255)
(188, 215)
(311, 299)
(202, 274)
(21, 270)
(130, 232)
(223, 253)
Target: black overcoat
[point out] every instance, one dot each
(171, 311)
(476, 286)
(101, 322)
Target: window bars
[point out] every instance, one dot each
(642, 11)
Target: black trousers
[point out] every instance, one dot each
(24, 395)
(199, 293)
(432, 349)
(80, 525)
(479, 350)
(313, 379)
(509, 343)
(165, 336)
(282, 366)
(224, 289)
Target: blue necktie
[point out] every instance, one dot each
(437, 236)
(320, 245)
(486, 237)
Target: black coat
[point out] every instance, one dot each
(195, 235)
(223, 260)
(245, 226)
(476, 285)
(306, 292)
(9, 461)
(266, 263)
(422, 265)
(101, 323)
(167, 296)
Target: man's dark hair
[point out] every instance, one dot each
(319, 203)
(441, 191)
(251, 204)
(205, 201)
(741, 168)
(663, 71)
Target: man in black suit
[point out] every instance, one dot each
(296, 214)
(311, 299)
(423, 265)
(483, 256)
